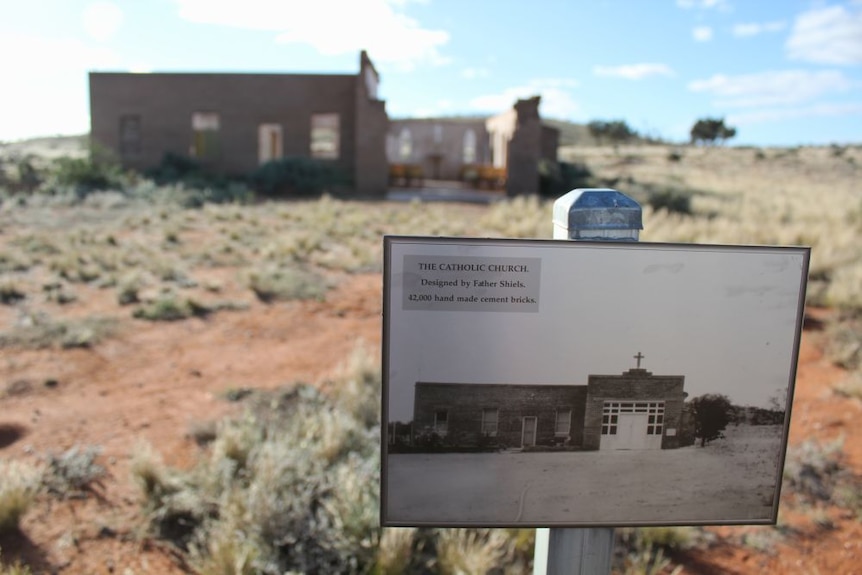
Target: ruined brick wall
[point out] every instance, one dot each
(438, 145)
(464, 404)
(372, 125)
(525, 149)
(550, 143)
(165, 104)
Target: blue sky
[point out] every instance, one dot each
(783, 72)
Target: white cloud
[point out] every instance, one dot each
(102, 20)
(772, 88)
(756, 28)
(473, 73)
(33, 105)
(557, 101)
(702, 33)
(829, 35)
(783, 114)
(330, 26)
(634, 71)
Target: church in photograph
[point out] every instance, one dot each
(633, 411)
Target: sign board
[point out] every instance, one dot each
(542, 383)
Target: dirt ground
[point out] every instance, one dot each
(154, 381)
(731, 480)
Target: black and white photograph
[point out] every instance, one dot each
(554, 383)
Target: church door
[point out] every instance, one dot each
(632, 425)
(528, 432)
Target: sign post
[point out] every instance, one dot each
(599, 215)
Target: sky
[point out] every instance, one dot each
(782, 72)
(725, 318)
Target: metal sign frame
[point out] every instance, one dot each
(503, 329)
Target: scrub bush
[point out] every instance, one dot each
(281, 284)
(297, 177)
(19, 484)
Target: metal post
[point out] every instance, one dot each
(602, 215)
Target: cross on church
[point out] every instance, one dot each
(639, 357)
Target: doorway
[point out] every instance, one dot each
(528, 432)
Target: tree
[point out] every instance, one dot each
(711, 414)
(615, 131)
(708, 130)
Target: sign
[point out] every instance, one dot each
(541, 383)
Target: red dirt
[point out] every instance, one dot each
(155, 380)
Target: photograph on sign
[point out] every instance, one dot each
(554, 383)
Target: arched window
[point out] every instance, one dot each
(405, 144)
(469, 151)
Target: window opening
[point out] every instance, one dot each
(405, 144)
(489, 422)
(205, 127)
(564, 423)
(441, 422)
(325, 136)
(469, 151)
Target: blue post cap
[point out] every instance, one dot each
(597, 213)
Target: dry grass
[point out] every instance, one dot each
(462, 551)
(19, 484)
(263, 472)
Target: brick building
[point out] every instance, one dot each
(635, 410)
(232, 123)
(514, 142)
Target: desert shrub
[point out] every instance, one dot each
(556, 179)
(202, 432)
(521, 217)
(13, 262)
(470, 550)
(292, 485)
(672, 201)
(16, 568)
(19, 484)
(175, 169)
(11, 293)
(297, 177)
(645, 549)
(29, 177)
(356, 385)
(40, 331)
(98, 171)
(844, 342)
(851, 386)
(280, 284)
(395, 550)
(225, 193)
(170, 307)
(813, 470)
(197, 186)
(59, 293)
(128, 289)
(74, 473)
